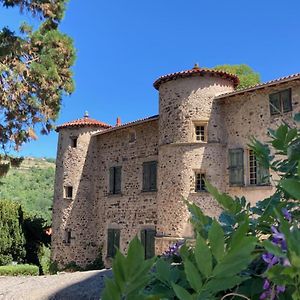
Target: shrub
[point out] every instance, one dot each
(18, 270)
(97, 264)
(72, 267)
(53, 267)
(44, 259)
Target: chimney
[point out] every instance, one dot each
(118, 121)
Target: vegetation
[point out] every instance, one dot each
(248, 77)
(17, 270)
(250, 252)
(12, 239)
(35, 72)
(32, 186)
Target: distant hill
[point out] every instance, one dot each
(32, 185)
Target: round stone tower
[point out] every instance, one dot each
(72, 225)
(191, 146)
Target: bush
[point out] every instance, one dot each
(18, 270)
(72, 267)
(97, 264)
(44, 259)
(53, 267)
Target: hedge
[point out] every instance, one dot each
(16, 270)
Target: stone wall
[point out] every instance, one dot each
(249, 115)
(73, 166)
(132, 210)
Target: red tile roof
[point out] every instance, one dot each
(274, 82)
(196, 71)
(85, 121)
(129, 124)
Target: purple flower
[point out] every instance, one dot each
(266, 285)
(270, 259)
(173, 249)
(287, 214)
(280, 289)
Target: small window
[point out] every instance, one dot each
(281, 102)
(69, 192)
(132, 136)
(258, 175)
(148, 242)
(200, 131)
(73, 142)
(113, 242)
(149, 176)
(115, 180)
(236, 167)
(68, 236)
(199, 182)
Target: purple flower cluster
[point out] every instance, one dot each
(278, 238)
(173, 250)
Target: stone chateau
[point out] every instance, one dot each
(115, 182)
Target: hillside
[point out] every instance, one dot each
(31, 184)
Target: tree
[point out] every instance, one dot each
(34, 73)
(246, 74)
(12, 240)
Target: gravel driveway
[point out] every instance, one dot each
(78, 285)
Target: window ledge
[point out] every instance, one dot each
(114, 195)
(253, 187)
(68, 198)
(199, 192)
(148, 192)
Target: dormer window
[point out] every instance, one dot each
(74, 141)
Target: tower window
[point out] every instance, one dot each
(199, 182)
(74, 142)
(200, 132)
(69, 192)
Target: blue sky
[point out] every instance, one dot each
(123, 46)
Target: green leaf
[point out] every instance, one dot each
(291, 186)
(239, 234)
(111, 291)
(181, 293)
(163, 271)
(216, 240)
(203, 256)
(192, 275)
(270, 247)
(222, 284)
(223, 199)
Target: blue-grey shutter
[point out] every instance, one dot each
(110, 243)
(143, 240)
(150, 242)
(236, 167)
(111, 180)
(275, 105)
(146, 177)
(153, 175)
(286, 100)
(262, 175)
(116, 240)
(117, 180)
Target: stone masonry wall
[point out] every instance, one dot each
(183, 103)
(132, 210)
(249, 115)
(73, 168)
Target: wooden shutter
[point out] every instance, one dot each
(110, 242)
(116, 240)
(286, 100)
(117, 180)
(236, 167)
(148, 241)
(146, 177)
(111, 180)
(153, 175)
(263, 175)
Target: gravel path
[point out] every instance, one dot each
(78, 285)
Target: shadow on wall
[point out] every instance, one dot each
(89, 288)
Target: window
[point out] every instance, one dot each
(113, 242)
(69, 192)
(115, 180)
(149, 176)
(258, 175)
(281, 102)
(201, 132)
(132, 136)
(199, 182)
(236, 167)
(148, 242)
(73, 142)
(68, 236)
